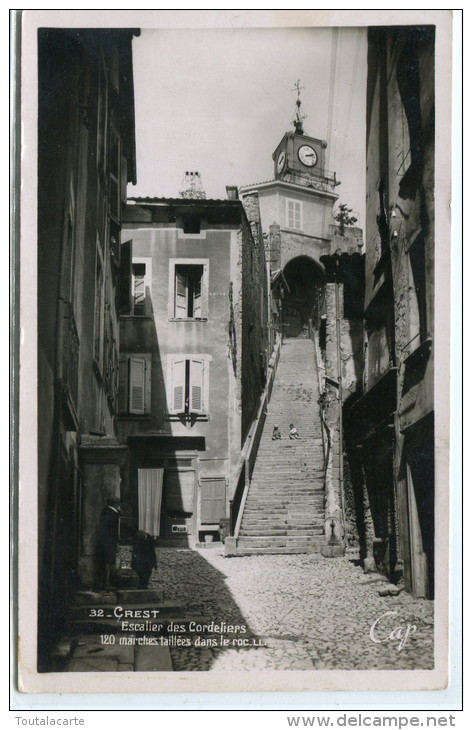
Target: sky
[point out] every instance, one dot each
(219, 100)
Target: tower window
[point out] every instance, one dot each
(294, 214)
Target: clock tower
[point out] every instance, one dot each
(299, 155)
(296, 217)
(300, 197)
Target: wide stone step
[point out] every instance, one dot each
(296, 521)
(245, 551)
(307, 480)
(248, 532)
(288, 513)
(294, 505)
(276, 542)
(287, 491)
(281, 502)
(288, 467)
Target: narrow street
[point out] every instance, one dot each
(303, 612)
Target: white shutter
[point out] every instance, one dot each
(197, 296)
(294, 214)
(181, 294)
(177, 389)
(197, 371)
(137, 381)
(123, 386)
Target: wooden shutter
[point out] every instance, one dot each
(139, 291)
(125, 278)
(177, 389)
(124, 178)
(213, 501)
(294, 214)
(196, 389)
(137, 385)
(123, 385)
(197, 293)
(181, 293)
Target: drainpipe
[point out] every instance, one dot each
(340, 392)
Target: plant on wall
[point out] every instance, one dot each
(344, 218)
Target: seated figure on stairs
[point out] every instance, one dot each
(276, 433)
(293, 432)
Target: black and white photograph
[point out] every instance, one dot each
(233, 462)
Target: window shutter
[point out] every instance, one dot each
(124, 178)
(290, 214)
(137, 381)
(293, 214)
(196, 389)
(139, 292)
(197, 296)
(178, 387)
(213, 501)
(125, 278)
(123, 386)
(181, 293)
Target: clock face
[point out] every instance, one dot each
(307, 155)
(281, 161)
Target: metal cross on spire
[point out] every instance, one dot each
(298, 117)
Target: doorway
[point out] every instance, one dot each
(304, 303)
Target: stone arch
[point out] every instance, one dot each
(303, 305)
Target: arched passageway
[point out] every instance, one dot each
(303, 306)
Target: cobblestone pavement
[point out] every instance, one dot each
(300, 612)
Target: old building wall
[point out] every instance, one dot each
(411, 99)
(77, 380)
(254, 342)
(161, 335)
(390, 427)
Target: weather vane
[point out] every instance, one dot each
(298, 117)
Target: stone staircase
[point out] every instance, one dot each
(284, 510)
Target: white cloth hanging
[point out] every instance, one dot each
(150, 500)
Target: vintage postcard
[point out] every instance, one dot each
(234, 277)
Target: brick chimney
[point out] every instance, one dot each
(232, 192)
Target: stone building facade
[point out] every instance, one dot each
(86, 155)
(390, 429)
(193, 358)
